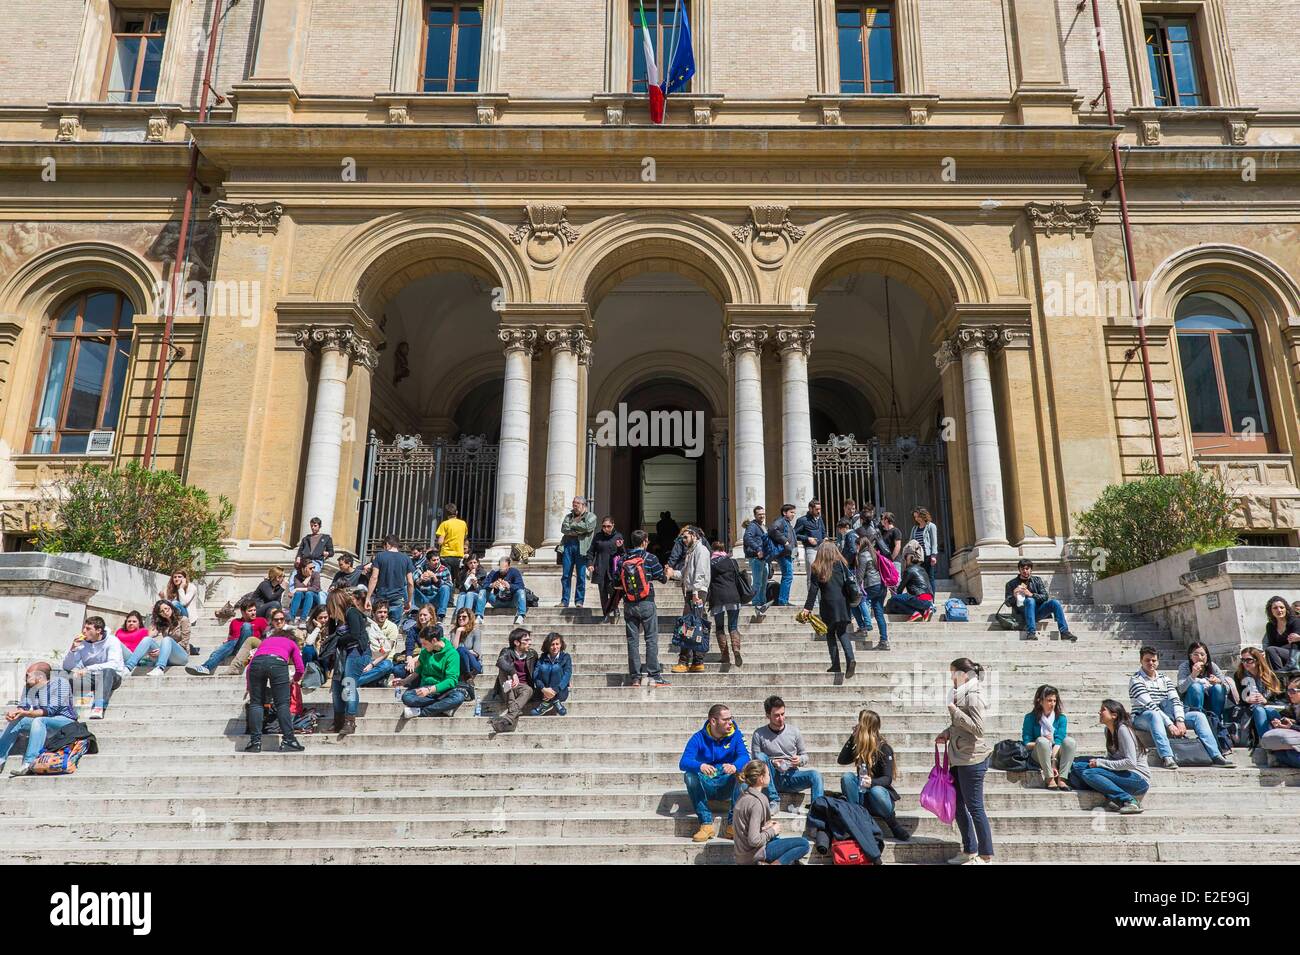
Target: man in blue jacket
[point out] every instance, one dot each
(781, 534)
(709, 764)
(810, 530)
(755, 544)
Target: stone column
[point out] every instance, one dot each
(793, 345)
(337, 346)
(983, 456)
(516, 422)
(744, 352)
(569, 346)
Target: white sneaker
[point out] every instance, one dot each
(978, 860)
(962, 858)
(97, 713)
(519, 619)
(410, 712)
(157, 671)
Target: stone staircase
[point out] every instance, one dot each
(171, 785)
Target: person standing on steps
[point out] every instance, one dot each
(755, 544)
(46, 704)
(810, 531)
(392, 580)
(873, 587)
(725, 574)
(968, 757)
(352, 645)
(315, 546)
(637, 573)
(449, 539)
(666, 531)
(846, 538)
(871, 784)
(1158, 710)
(926, 533)
(780, 745)
(576, 532)
(433, 687)
(831, 581)
(782, 537)
(516, 682)
(1124, 774)
(1202, 685)
(695, 576)
(893, 540)
(1030, 600)
(269, 669)
(606, 550)
(1044, 735)
(756, 834)
(709, 765)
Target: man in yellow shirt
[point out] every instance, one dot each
(450, 538)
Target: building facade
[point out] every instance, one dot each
(884, 229)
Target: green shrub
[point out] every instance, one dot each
(131, 514)
(1142, 521)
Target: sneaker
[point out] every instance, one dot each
(409, 712)
(254, 745)
(962, 858)
(291, 746)
(1220, 761)
(519, 619)
(659, 681)
(1067, 635)
(761, 610)
(681, 668)
(1031, 634)
(978, 860)
(915, 617)
(24, 769)
(704, 833)
(929, 615)
(693, 668)
(198, 669)
(1171, 763)
(157, 671)
(634, 683)
(97, 713)
(883, 645)
(560, 710)
(1130, 808)
(542, 709)
(773, 808)
(1111, 806)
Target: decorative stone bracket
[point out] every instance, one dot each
(1060, 217)
(546, 231)
(247, 216)
(769, 232)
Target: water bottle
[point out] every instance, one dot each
(478, 709)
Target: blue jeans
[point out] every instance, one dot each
(550, 682)
(1195, 719)
(1119, 787)
(170, 653)
(728, 618)
(906, 603)
(222, 653)
(786, 851)
(1197, 693)
(701, 789)
(180, 608)
(396, 600)
(302, 603)
(346, 698)
(440, 598)
(786, 564)
(877, 799)
(516, 597)
(474, 601)
(36, 728)
(1288, 757)
(860, 615)
(795, 781)
(1033, 609)
(875, 596)
(1261, 714)
(376, 674)
(435, 703)
(758, 574)
(572, 561)
(972, 820)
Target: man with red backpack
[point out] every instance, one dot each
(636, 574)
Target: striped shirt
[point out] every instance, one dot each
(1147, 693)
(53, 698)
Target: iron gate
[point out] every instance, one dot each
(841, 469)
(408, 482)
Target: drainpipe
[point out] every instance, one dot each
(1127, 227)
(182, 242)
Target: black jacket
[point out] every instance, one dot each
(724, 585)
(882, 770)
(831, 819)
(915, 582)
(603, 548)
(834, 604)
(324, 548)
(810, 527)
(67, 735)
(1273, 639)
(1035, 585)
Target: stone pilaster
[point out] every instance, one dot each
(743, 355)
(794, 345)
(569, 346)
(516, 425)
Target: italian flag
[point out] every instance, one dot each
(653, 85)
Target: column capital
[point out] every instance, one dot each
(790, 340)
(981, 336)
(745, 339)
(338, 338)
(518, 338)
(968, 337)
(571, 338)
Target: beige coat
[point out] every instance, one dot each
(966, 745)
(749, 818)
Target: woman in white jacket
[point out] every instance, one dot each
(696, 574)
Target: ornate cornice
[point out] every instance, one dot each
(1059, 217)
(247, 216)
(795, 339)
(518, 338)
(346, 340)
(946, 355)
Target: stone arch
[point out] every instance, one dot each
(933, 258)
(1261, 285)
(629, 244)
(691, 369)
(55, 274)
(381, 257)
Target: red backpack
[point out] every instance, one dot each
(632, 575)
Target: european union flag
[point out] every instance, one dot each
(682, 65)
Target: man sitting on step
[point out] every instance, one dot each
(1029, 599)
(781, 746)
(515, 684)
(246, 625)
(434, 685)
(504, 587)
(709, 764)
(1158, 710)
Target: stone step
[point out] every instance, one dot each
(1105, 848)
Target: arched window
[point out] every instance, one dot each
(1219, 353)
(83, 372)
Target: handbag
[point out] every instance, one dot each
(744, 586)
(847, 852)
(1189, 752)
(1012, 756)
(1005, 618)
(692, 632)
(295, 699)
(852, 589)
(940, 794)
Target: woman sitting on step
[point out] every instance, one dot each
(871, 784)
(466, 632)
(1260, 689)
(1202, 685)
(1044, 735)
(915, 594)
(757, 839)
(1123, 775)
(552, 675)
(132, 632)
(167, 645)
(318, 631)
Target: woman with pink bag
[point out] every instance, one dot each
(968, 754)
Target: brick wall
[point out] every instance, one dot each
(1264, 36)
(965, 48)
(38, 45)
(350, 47)
(773, 54)
(554, 49)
